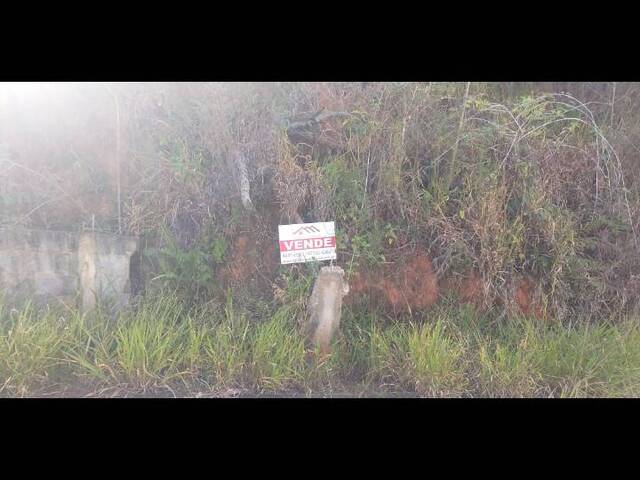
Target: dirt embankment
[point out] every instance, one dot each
(407, 285)
(250, 258)
(411, 284)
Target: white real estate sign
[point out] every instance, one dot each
(306, 242)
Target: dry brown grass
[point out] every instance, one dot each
(543, 186)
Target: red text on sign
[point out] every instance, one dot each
(307, 244)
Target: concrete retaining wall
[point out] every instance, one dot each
(77, 268)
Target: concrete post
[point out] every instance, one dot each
(325, 307)
(88, 272)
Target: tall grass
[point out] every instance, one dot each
(278, 353)
(448, 352)
(584, 360)
(31, 348)
(225, 347)
(151, 344)
(436, 360)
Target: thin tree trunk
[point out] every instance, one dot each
(244, 183)
(118, 193)
(613, 102)
(454, 154)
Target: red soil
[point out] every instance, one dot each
(407, 285)
(526, 301)
(246, 258)
(411, 284)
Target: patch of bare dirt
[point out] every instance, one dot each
(412, 285)
(409, 284)
(250, 257)
(527, 300)
(468, 287)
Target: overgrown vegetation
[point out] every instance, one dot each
(507, 181)
(529, 190)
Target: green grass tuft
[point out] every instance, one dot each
(162, 344)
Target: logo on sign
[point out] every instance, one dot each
(310, 229)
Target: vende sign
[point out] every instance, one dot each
(306, 242)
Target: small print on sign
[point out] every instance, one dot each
(306, 242)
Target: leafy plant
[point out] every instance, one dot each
(189, 272)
